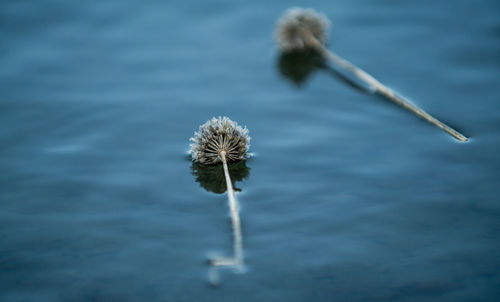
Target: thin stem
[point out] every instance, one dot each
(381, 88)
(234, 210)
(237, 260)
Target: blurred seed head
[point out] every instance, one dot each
(217, 135)
(293, 25)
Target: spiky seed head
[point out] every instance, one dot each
(297, 21)
(217, 135)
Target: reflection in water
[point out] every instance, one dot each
(298, 66)
(213, 179)
(236, 261)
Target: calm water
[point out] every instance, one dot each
(348, 198)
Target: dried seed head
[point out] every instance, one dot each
(297, 21)
(217, 135)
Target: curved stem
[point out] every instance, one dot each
(237, 260)
(235, 216)
(381, 88)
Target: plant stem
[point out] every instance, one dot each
(237, 259)
(235, 217)
(379, 87)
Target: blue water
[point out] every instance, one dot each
(347, 196)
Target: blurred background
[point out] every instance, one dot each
(347, 196)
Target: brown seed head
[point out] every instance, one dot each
(217, 135)
(295, 23)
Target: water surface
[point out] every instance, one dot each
(347, 198)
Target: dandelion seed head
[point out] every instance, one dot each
(217, 135)
(295, 23)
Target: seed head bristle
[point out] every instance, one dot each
(294, 23)
(217, 135)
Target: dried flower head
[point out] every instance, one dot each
(217, 135)
(295, 23)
